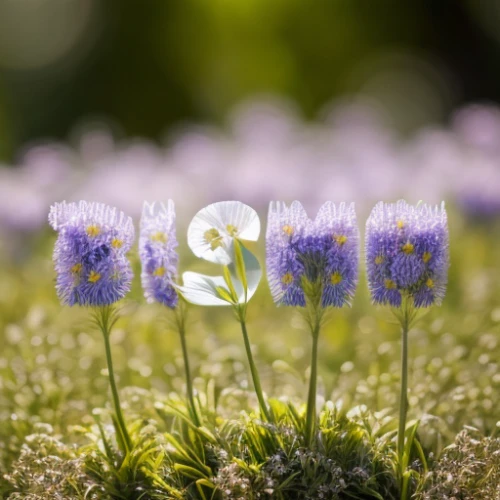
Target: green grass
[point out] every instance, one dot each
(57, 438)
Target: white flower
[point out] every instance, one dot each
(213, 229)
(204, 290)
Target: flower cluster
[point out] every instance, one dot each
(90, 253)
(157, 244)
(407, 253)
(324, 251)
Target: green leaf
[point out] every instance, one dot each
(190, 472)
(208, 484)
(252, 275)
(288, 480)
(240, 266)
(229, 282)
(224, 294)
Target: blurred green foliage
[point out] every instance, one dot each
(147, 66)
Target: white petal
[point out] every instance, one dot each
(206, 220)
(200, 289)
(219, 218)
(242, 217)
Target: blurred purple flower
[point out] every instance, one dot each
(479, 205)
(90, 253)
(478, 125)
(478, 194)
(323, 251)
(407, 253)
(271, 134)
(157, 244)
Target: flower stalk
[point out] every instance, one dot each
(311, 398)
(313, 314)
(241, 310)
(181, 328)
(403, 398)
(105, 318)
(241, 313)
(406, 315)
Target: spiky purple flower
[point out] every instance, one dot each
(157, 244)
(90, 253)
(407, 253)
(324, 251)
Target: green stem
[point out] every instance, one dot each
(189, 383)
(403, 399)
(313, 378)
(253, 369)
(105, 325)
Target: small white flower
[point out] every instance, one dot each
(213, 229)
(204, 290)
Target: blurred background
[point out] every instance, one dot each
(114, 102)
(145, 69)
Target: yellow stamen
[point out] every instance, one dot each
(159, 237)
(429, 283)
(400, 224)
(76, 268)
(117, 243)
(288, 229)
(389, 284)
(336, 278)
(213, 237)
(379, 259)
(341, 239)
(94, 277)
(287, 278)
(408, 248)
(232, 230)
(93, 230)
(159, 271)
(426, 257)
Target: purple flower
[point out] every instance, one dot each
(157, 244)
(407, 253)
(300, 251)
(481, 205)
(90, 253)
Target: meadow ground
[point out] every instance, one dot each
(57, 438)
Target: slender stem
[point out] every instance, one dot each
(189, 383)
(253, 369)
(403, 399)
(106, 331)
(313, 378)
